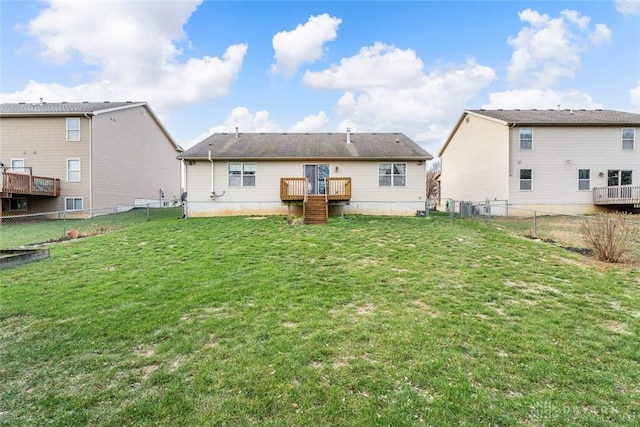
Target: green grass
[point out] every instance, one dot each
(364, 321)
(18, 232)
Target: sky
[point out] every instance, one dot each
(304, 66)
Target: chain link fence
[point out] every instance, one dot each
(554, 227)
(28, 230)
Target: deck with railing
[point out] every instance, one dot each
(618, 195)
(25, 184)
(295, 189)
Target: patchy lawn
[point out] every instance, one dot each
(364, 321)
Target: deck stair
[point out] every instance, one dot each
(316, 210)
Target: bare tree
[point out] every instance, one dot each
(433, 171)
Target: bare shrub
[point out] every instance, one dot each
(609, 235)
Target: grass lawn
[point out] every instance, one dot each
(363, 321)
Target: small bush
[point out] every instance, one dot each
(609, 235)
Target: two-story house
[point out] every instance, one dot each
(83, 157)
(555, 161)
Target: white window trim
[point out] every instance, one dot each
(633, 145)
(74, 199)
(79, 170)
(406, 174)
(589, 180)
(520, 139)
(521, 179)
(67, 129)
(22, 168)
(242, 175)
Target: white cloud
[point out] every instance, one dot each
(628, 7)
(380, 65)
(311, 123)
(600, 35)
(417, 104)
(135, 51)
(541, 99)
(244, 120)
(304, 44)
(549, 49)
(634, 94)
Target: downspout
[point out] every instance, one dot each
(90, 164)
(511, 150)
(211, 160)
(213, 194)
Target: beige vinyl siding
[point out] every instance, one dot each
(41, 142)
(558, 153)
(133, 159)
(475, 164)
(247, 200)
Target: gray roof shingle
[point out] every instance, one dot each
(563, 117)
(307, 146)
(55, 108)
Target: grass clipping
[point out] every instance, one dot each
(610, 235)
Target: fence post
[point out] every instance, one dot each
(535, 225)
(64, 223)
(148, 212)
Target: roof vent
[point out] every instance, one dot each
(236, 131)
(348, 135)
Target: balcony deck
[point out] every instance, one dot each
(295, 189)
(30, 185)
(618, 195)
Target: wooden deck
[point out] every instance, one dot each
(24, 184)
(619, 195)
(295, 189)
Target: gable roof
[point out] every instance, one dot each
(565, 117)
(62, 108)
(71, 109)
(277, 146)
(562, 117)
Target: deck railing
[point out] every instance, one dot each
(19, 183)
(295, 189)
(617, 195)
(338, 188)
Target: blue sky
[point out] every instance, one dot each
(305, 66)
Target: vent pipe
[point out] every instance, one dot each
(348, 135)
(236, 131)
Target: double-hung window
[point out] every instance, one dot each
(628, 138)
(392, 174)
(17, 166)
(73, 203)
(73, 170)
(242, 174)
(526, 139)
(526, 179)
(73, 129)
(619, 177)
(584, 179)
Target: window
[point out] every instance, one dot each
(526, 139)
(584, 179)
(18, 204)
(525, 179)
(17, 166)
(628, 138)
(242, 174)
(619, 177)
(73, 170)
(73, 203)
(392, 174)
(73, 129)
